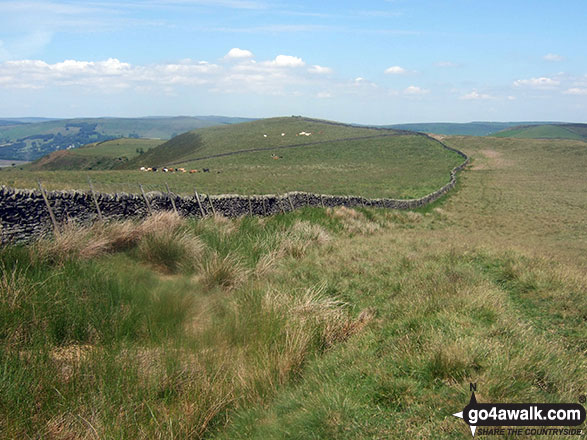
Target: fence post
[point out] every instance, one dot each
(250, 207)
(53, 219)
(211, 205)
(290, 202)
(280, 204)
(199, 204)
(146, 200)
(264, 207)
(171, 198)
(321, 200)
(95, 200)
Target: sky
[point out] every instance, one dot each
(370, 62)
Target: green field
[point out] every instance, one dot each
(32, 140)
(399, 166)
(338, 323)
(97, 156)
(565, 131)
(250, 135)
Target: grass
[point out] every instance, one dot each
(314, 324)
(542, 132)
(226, 139)
(399, 166)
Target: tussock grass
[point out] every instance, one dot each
(353, 221)
(225, 272)
(172, 251)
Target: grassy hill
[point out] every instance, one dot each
(264, 133)
(97, 156)
(333, 324)
(29, 141)
(464, 129)
(554, 131)
(335, 159)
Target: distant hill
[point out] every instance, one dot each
(462, 129)
(97, 156)
(259, 134)
(30, 141)
(546, 131)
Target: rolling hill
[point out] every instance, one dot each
(462, 129)
(261, 157)
(264, 134)
(30, 141)
(104, 155)
(546, 131)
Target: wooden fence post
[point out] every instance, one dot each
(200, 204)
(211, 205)
(250, 207)
(95, 200)
(146, 200)
(290, 202)
(171, 198)
(321, 200)
(264, 207)
(280, 204)
(53, 219)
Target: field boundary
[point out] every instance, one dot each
(25, 214)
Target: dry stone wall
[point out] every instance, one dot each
(24, 214)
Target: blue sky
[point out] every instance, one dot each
(374, 61)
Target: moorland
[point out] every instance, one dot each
(319, 323)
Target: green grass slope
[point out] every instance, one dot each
(251, 135)
(97, 156)
(33, 140)
(562, 131)
(335, 159)
(320, 323)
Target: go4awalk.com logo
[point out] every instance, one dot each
(535, 418)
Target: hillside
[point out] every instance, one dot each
(546, 131)
(463, 129)
(104, 155)
(319, 323)
(261, 134)
(30, 141)
(335, 159)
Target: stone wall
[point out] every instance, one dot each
(24, 214)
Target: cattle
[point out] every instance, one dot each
(143, 169)
(282, 134)
(193, 171)
(264, 135)
(206, 170)
(181, 170)
(154, 170)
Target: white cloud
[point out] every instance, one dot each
(537, 83)
(320, 69)
(415, 90)
(236, 53)
(553, 57)
(286, 61)
(576, 91)
(475, 95)
(395, 70)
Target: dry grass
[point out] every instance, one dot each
(300, 237)
(76, 241)
(227, 273)
(353, 221)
